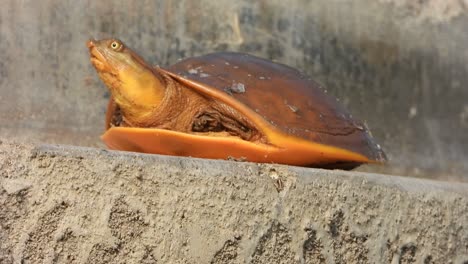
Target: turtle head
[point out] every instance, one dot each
(133, 83)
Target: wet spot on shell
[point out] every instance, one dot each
(193, 71)
(203, 75)
(228, 90)
(236, 88)
(293, 108)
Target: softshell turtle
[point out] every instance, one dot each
(226, 105)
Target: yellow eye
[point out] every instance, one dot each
(116, 45)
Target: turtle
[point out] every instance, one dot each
(226, 105)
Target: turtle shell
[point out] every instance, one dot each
(288, 104)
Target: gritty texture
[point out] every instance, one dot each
(312, 248)
(432, 11)
(399, 65)
(61, 204)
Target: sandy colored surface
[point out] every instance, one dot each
(61, 204)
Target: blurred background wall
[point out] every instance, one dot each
(400, 65)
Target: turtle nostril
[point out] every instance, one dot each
(90, 43)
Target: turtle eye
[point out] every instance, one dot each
(116, 45)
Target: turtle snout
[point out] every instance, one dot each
(91, 43)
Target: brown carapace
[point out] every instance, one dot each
(227, 105)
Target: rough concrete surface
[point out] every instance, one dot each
(399, 65)
(61, 204)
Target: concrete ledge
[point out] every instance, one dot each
(61, 204)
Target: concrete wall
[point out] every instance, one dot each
(76, 205)
(400, 65)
